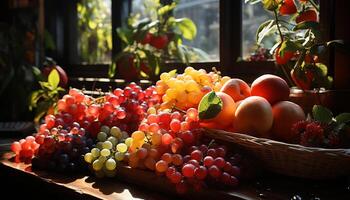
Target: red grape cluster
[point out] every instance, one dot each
(168, 147)
(198, 167)
(25, 149)
(127, 108)
(61, 149)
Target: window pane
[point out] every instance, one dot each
(253, 16)
(205, 14)
(94, 31)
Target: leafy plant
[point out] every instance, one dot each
(44, 100)
(300, 46)
(335, 126)
(149, 42)
(95, 32)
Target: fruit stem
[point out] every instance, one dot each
(290, 82)
(277, 24)
(178, 109)
(314, 5)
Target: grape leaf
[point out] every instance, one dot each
(187, 28)
(322, 114)
(209, 106)
(54, 78)
(342, 118)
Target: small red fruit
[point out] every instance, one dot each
(307, 16)
(146, 39)
(126, 68)
(288, 7)
(159, 41)
(282, 60)
(301, 80)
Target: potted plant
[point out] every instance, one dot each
(299, 48)
(149, 42)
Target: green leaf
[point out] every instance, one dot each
(270, 5)
(34, 97)
(322, 114)
(252, 2)
(125, 35)
(187, 28)
(264, 30)
(322, 69)
(342, 118)
(54, 78)
(172, 73)
(209, 106)
(167, 8)
(288, 45)
(37, 74)
(307, 25)
(111, 70)
(335, 42)
(43, 106)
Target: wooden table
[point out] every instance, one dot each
(139, 184)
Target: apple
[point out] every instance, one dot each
(253, 116)
(285, 114)
(273, 88)
(236, 88)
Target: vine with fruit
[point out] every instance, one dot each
(300, 47)
(149, 42)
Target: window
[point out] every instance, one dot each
(205, 14)
(94, 31)
(252, 17)
(225, 30)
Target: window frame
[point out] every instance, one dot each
(230, 42)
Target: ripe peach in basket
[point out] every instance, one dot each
(285, 114)
(271, 87)
(218, 115)
(236, 88)
(253, 116)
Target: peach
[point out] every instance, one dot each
(253, 116)
(223, 119)
(285, 114)
(272, 88)
(236, 88)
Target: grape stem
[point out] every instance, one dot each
(178, 109)
(211, 143)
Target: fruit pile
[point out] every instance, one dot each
(64, 137)
(160, 128)
(155, 129)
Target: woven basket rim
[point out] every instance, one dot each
(274, 142)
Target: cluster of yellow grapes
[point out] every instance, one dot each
(187, 89)
(143, 152)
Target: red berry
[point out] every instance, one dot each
(214, 171)
(188, 170)
(208, 161)
(307, 16)
(146, 39)
(288, 7)
(282, 60)
(200, 172)
(197, 155)
(160, 41)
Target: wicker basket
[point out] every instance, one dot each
(290, 159)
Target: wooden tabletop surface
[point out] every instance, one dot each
(139, 184)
